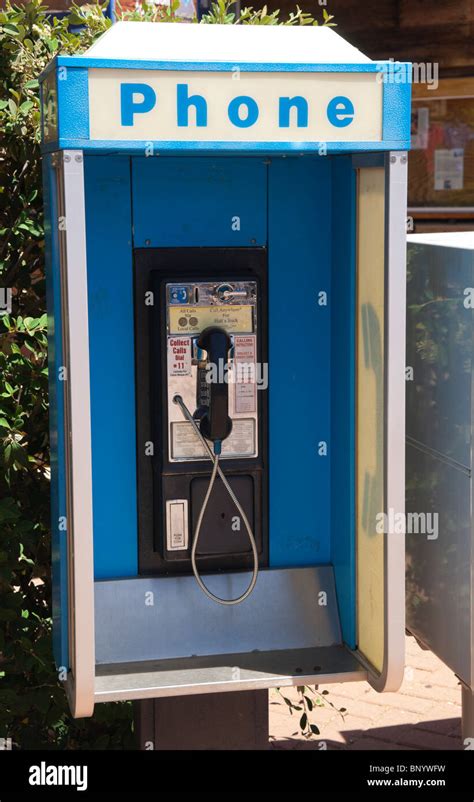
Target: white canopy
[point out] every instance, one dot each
(276, 44)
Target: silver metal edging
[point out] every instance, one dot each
(228, 686)
(72, 233)
(63, 361)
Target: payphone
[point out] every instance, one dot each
(201, 344)
(203, 313)
(234, 207)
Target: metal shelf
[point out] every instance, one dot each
(229, 672)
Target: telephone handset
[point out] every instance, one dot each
(215, 422)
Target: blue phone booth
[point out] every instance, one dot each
(225, 213)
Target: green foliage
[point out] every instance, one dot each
(309, 699)
(221, 13)
(33, 709)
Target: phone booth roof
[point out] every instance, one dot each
(228, 88)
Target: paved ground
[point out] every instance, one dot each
(424, 714)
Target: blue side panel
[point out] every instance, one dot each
(199, 202)
(299, 378)
(343, 392)
(397, 104)
(112, 365)
(73, 103)
(56, 419)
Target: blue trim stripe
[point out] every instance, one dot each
(246, 148)
(225, 66)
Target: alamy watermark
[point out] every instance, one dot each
(224, 372)
(413, 523)
(395, 72)
(50, 774)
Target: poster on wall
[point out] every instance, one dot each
(420, 123)
(449, 169)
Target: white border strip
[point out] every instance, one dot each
(80, 686)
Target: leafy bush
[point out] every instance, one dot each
(33, 709)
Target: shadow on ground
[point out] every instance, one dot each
(397, 737)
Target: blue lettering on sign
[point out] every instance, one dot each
(340, 111)
(128, 104)
(243, 111)
(235, 106)
(288, 103)
(184, 101)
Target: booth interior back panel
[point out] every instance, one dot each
(283, 205)
(112, 365)
(192, 202)
(299, 251)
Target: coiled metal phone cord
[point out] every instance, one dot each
(216, 470)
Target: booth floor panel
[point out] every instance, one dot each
(285, 611)
(229, 672)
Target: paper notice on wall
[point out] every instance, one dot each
(241, 441)
(194, 319)
(245, 355)
(179, 356)
(420, 124)
(185, 444)
(449, 169)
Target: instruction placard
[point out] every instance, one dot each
(240, 443)
(245, 363)
(179, 356)
(194, 319)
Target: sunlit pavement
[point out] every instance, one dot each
(424, 714)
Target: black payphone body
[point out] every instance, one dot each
(179, 294)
